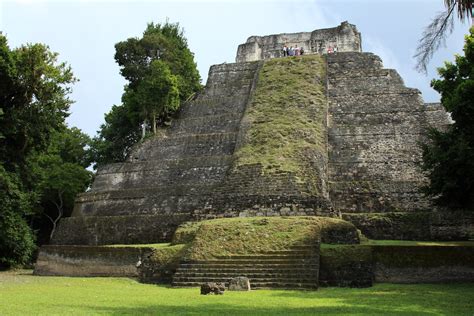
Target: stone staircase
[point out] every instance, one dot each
(297, 268)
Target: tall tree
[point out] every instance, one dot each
(161, 74)
(442, 25)
(167, 43)
(34, 103)
(449, 157)
(33, 98)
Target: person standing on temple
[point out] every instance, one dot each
(297, 51)
(291, 51)
(285, 50)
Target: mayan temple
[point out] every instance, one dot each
(324, 134)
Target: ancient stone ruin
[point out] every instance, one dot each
(360, 153)
(342, 141)
(345, 37)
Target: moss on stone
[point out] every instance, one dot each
(423, 256)
(286, 118)
(393, 225)
(185, 233)
(161, 263)
(230, 236)
(335, 256)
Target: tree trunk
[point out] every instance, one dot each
(143, 129)
(54, 221)
(154, 124)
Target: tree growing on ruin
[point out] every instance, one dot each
(161, 74)
(449, 157)
(442, 25)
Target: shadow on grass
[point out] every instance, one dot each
(406, 299)
(226, 309)
(383, 299)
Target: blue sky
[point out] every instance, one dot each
(84, 33)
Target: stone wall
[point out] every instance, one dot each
(361, 265)
(89, 261)
(423, 264)
(121, 229)
(345, 37)
(375, 126)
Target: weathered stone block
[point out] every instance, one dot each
(212, 288)
(239, 284)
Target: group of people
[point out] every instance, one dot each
(332, 50)
(297, 51)
(293, 51)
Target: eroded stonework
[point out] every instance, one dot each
(372, 124)
(345, 37)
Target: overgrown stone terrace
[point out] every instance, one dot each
(238, 149)
(282, 137)
(308, 135)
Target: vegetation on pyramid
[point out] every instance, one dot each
(285, 119)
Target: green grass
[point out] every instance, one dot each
(418, 243)
(162, 245)
(286, 118)
(24, 294)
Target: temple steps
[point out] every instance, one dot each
(213, 107)
(189, 145)
(291, 269)
(162, 164)
(189, 175)
(222, 123)
(263, 285)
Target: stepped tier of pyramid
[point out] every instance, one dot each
(319, 134)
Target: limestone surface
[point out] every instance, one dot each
(319, 134)
(239, 284)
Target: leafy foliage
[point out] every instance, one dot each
(117, 135)
(33, 99)
(449, 158)
(60, 173)
(16, 237)
(442, 25)
(161, 73)
(38, 153)
(156, 96)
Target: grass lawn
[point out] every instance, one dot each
(24, 294)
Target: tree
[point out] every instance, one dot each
(34, 103)
(161, 74)
(449, 157)
(436, 32)
(167, 43)
(116, 136)
(60, 174)
(156, 96)
(33, 98)
(17, 241)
